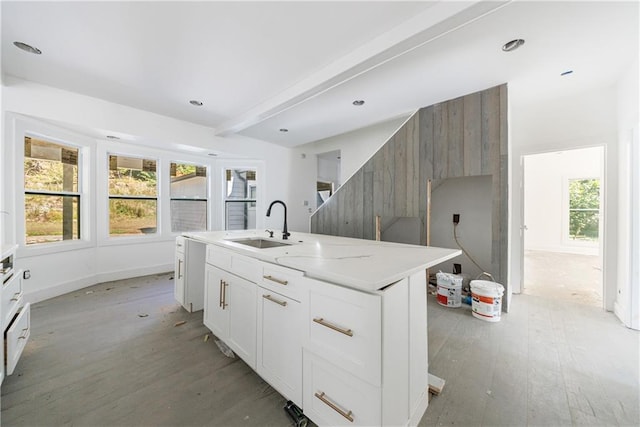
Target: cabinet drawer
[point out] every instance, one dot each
(240, 265)
(283, 280)
(344, 326)
(218, 257)
(180, 244)
(17, 337)
(11, 298)
(334, 397)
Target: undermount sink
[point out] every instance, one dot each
(258, 242)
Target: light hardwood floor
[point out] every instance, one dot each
(94, 361)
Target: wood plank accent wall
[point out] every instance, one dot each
(463, 137)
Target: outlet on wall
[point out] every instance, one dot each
(456, 218)
(26, 274)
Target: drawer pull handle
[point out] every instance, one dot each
(333, 406)
(24, 335)
(323, 322)
(220, 302)
(272, 299)
(273, 279)
(16, 296)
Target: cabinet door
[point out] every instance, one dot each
(240, 300)
(178, 280)
(280, 321)
(216, 313)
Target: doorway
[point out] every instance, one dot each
(328, 177)
(563, 195)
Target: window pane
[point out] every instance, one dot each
(188, 215)
(51, 218)
(239, 184)
(132, 177)
(240, 215)
(132, 217)
(49, 166)
(584, 209)
(188, 181)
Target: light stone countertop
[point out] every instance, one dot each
(365, 265)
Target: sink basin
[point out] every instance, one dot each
(258, 242)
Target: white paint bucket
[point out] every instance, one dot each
(449, 289)
(486, 300)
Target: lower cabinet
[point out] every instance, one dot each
(346, 357)
(230, 311)
(335, 397)
(279, 343)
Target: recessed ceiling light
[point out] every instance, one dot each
(512, 45)
(284, 130)
(112, 137)
(196, 103)
(27, 48)
(566, 73)
(358, 102)
(212, 154)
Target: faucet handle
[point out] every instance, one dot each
(270, 232)
(285, 234)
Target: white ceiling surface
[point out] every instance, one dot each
(262, 66)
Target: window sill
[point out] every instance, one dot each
(26, 251)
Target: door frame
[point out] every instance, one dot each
(603, 215)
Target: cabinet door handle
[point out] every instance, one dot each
(273, 279)
(220, 296)
(323, 322)
(272, 299)
(224, 294)
(333, 406)
(25, 333)
(16, 296)
(179, 268)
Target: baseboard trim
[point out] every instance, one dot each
(84, 282)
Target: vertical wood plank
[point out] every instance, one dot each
(388, 178)
(455, 160)
(413, 167)
(425, 173)
(378, 182)
(490, 130)
(440, 142)
(473, 134)
(368, 230)
(400, 181)
(355, 204)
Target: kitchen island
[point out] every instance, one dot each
(337, 325)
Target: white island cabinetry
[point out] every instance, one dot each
(336, 325)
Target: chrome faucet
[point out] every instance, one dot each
(285, 233)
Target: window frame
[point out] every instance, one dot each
(566, 211)
(221, 167)
(14, 200)
(206, 199)
(157, 198)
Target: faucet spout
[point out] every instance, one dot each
(285, 233)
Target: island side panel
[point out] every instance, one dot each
(418, 347)
(395, 354)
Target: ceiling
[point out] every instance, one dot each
(259, 67)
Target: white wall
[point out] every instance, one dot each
(627, 305)
(546, 204)
(579, 121)
(355, 149)
(72, 265)
(472, 198)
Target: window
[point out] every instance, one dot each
(240, 200)
(133, 196)
(51, 192)
(584, 209)
(188, 197)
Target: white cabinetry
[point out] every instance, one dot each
(230, 312)
(15, 315)
(189, 273)
(280, 328)
(345, 356)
